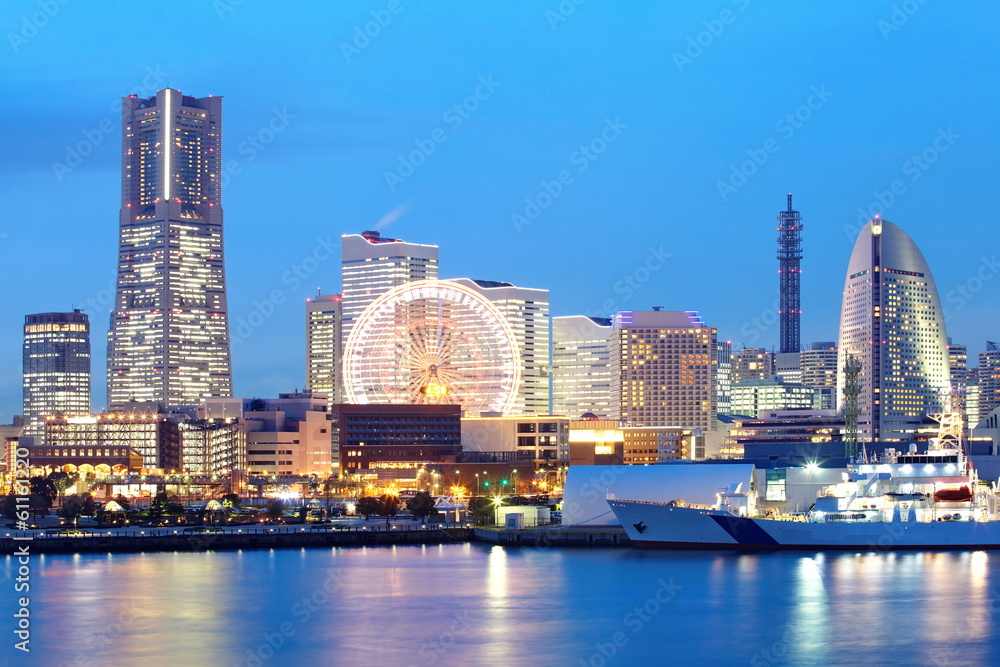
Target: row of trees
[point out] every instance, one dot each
(421, 505)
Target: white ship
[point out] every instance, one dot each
(894, 501)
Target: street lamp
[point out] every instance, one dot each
(479, 489)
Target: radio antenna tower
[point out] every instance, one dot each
(789, 272)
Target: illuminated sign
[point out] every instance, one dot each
(434, 390)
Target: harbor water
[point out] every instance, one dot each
(477, 604)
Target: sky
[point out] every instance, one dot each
(621, 155)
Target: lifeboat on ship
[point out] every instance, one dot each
(960, 495)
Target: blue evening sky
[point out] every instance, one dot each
(669, 134)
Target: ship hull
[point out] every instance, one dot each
(659, 526)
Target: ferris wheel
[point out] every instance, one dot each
(433, 342)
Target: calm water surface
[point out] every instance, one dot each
(482, 605)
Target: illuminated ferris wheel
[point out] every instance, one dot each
(436, 342)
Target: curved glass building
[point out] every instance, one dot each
(891, 320)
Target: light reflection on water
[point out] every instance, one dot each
(477, 604)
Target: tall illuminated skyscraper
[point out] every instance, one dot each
(323, 341)
(56, 370)
(371, 265)
(989, 378)
(663, 366)
(581, 366)
(527, 312)
(891, 321)
(169, 334)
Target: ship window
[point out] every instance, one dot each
(775, 490)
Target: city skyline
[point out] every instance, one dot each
(612, 233)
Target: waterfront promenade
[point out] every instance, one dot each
(116, 540)
(355, 533)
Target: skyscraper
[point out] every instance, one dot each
(169, 333)
(663, 369)
(371, 265)
(891, 321)
(819, 372)
(56, 370)
(989, 378)
(323, 341)
(752, 363)
(527, 312)
(789, 274)
(581, 366)
(724, 377)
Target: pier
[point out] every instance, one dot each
(555, 536)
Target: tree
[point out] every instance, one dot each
(482, 509)
(231, 500)
(62, 480)
(274, 509)
(44, 486)
(89, 505)
(72, 508)
(39, 503)
(388, 505)
(367, 506)
(174, 506)
(158, 507)
(421, 505)
(164, 505)
(8, 507)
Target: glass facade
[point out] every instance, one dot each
(56, 368)
(169, 332)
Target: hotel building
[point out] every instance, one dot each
(323, 345)
(752, 363)
(56, 368)
(754, 396)
(169, 331)
(581, 366)
(527, 311)
(891, 321)
(371, 265)
(290, 435)
(663, 369)
(989, 379)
